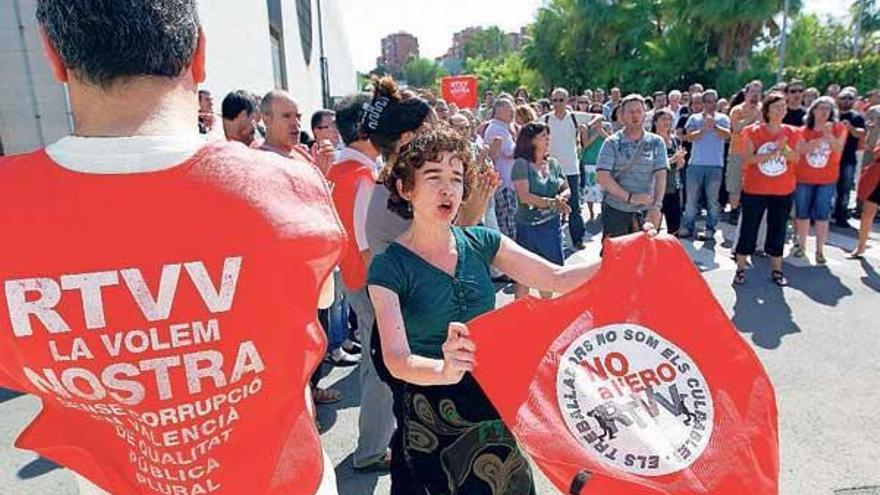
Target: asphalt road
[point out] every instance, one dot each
(819, 340)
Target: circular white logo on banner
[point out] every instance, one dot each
(634, 400)
(774, 166)
(819, 157)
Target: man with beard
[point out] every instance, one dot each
(238, 110)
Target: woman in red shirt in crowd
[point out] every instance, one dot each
(817, 170)
(768, 185)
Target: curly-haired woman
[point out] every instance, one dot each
(425, 287)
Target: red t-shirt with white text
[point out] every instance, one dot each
(167, 319)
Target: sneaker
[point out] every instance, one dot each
(341, 358)
(351, 347)
(708, 235)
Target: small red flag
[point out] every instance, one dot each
(636, 383)
(461, 90)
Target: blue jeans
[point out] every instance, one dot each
(813, 201)
(705, 180)
(844, 187)
(337, 316)
(575, 219)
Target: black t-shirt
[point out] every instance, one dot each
(795, 117)
(852, 144)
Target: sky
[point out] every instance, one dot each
(433, 22)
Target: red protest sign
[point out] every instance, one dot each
(170, 350)
(461, 90)
(628, 387)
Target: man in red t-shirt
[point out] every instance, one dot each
(160, 293)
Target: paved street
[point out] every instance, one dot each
(817, 338)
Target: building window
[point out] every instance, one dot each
(276, 38)
(304, 16)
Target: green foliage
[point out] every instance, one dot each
(504, 74)
(489, 43)
(862, 73)
(647, 45)
(422, 73)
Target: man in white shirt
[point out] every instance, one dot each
(564, 135)
(501, 140)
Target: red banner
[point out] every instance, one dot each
(637, 383)
(461, 90)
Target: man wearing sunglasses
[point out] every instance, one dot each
(794, 97)
(855, 125)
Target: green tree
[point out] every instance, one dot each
(489, 43)
(422, 73)
(504, 74)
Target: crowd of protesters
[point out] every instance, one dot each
(518, 181)
(440, 204)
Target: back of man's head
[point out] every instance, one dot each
(236, 102)
(104, 41)
(349, 115)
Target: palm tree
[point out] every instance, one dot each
(733, 26)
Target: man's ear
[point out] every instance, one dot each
(198, 61)
(59, 70)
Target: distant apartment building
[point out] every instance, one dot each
(397, 50)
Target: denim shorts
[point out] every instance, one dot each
(814, 201)
(543, 239)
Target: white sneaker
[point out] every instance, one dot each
(341, 358)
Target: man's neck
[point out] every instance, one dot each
(281, 146)
(634, 133)
(143, 107)
(794, 107)
(559, 113)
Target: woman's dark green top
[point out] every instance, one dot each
(431, 299)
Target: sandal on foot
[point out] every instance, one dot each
(779, 278)
(740, 277)
(797, 252)
(820, 258)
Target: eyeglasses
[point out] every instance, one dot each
(795, 91)
(848, 98)
(558, 100)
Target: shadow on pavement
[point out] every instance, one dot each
(871, 278)
(817, 283)
(761, 309)
(350, 387)
(6, 394)
(37, 467)
(351, 482)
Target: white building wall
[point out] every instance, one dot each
(238, 53)
(238, 57)
(33, 106)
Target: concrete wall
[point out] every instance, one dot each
(33, 107)
(238, 54)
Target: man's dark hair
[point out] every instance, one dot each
(236, 102)
(350, 114)
(105, 40)
(318, 116)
